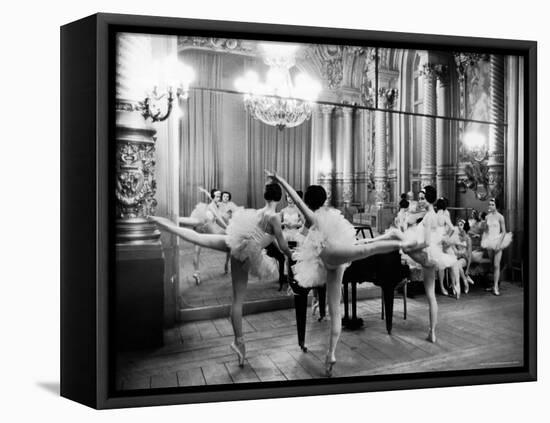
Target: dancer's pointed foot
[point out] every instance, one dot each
(431, 336)
(197, 278)
(470, 280)
(329, 365)
(240, 350)
(496, 292)
(444, 292)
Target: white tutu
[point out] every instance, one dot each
(433, 255)
(332, 228)
(247, 240)
(493, 242)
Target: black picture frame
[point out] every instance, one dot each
(87, 123)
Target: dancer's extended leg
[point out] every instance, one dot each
(214, 242)
(335, 255)
(239, 279)
(334, 290)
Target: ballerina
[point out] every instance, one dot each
(207, 219)
(444, 228)
(247, 235)
(432, 256)
(227, 209)
(495, 239)
(329, 247)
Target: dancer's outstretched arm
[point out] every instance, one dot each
(308, 214)
(214, 242)
(188, 221)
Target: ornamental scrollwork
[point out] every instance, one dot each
(135, 183)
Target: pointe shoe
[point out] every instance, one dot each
(240, 350)
(197, 278)
(329, 365)
(470, 280)
(444, 292)
(466, 288)
(496, 292)
(431, 337)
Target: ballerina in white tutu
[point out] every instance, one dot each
(247, 235)
(227, 208)
(206, 219)
(432, 256)
(495, 239)
(329, 247)
(445, 229)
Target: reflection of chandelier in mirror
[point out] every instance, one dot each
(171, 79)
(476, 170)
(279, 102)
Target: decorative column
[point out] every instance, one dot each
(380, 163)
(135, 184)
(139, 269)
(386, 100)
(326, 165)
(347, 153)
(444, 167)
(428, 162)
(495, 161)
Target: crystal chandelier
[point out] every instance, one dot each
(279, 101)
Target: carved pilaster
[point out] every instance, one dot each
(347, 150)
(495, 162)
(325, 175)
(135, 184)
(428, 162)
(380, 152)
(443, 167)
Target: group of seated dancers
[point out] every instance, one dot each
(325, 246)
(462, 245)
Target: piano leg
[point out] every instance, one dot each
(345, 319)
(322, 296)
(388, 293)
(354, 323)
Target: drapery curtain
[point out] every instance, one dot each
(201, 130)
(286, 151)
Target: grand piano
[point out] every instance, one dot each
(384, 270)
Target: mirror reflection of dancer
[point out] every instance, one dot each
(227, 209)
(329, 247)
(432, 256)
(206, 219)
(495, 239)
(248, 233)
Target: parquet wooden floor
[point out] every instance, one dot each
(477, 331)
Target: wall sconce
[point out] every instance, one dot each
(476, 170)
(175, 79)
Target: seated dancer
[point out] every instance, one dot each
(432, 256)
(206, 219)
(227, 208)
(445, 228)
(462, 246)
(327, 250)
(494, 240)
(248, 233)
